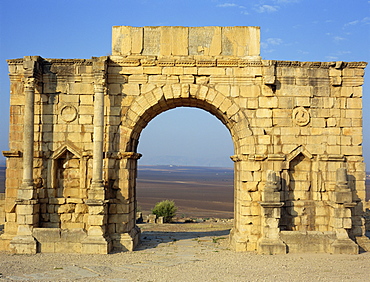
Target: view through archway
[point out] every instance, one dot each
(186, 159)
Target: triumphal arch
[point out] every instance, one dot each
(75, 126)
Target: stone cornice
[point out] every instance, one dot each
(12, 154)
(87, 62)
(192, 61)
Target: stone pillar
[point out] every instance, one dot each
(127, 233)
(341, 215)
(237, 241)
(26, 191)
(270, 243)
(96, 191)
(97, 241)
(27, 207)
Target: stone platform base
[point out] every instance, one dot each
(127, 241)
(271, 247)
(317, 242)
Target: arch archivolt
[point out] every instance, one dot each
(158, 99)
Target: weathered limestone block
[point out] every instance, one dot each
(96, 109)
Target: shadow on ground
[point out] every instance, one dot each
(153, 239)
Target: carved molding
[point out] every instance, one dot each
(332, 158)
(276, 157)
(68, 113)
(301, 116)
(230, 61)
(12, 154)
(129, 155)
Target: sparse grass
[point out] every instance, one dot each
(215, 240)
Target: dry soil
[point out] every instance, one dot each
(185, 252)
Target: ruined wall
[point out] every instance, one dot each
(295, 126)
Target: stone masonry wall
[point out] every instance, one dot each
(295, 126)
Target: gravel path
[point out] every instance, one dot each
(199, 254)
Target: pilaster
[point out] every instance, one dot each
(27, 207)
(97, 241)
(341, 218)
(127, 233)
(270, 243)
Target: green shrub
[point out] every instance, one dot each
(165, 208)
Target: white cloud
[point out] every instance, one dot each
(274, 41)
(264, 45)
(233, 5)
(338, 38)
(352, 23)
(303, 52)
(365, 20)
(337, 55)
(287, 1)
(332, 58)
(227, 5)
(340, 53)
(269, 42)
(267, 9)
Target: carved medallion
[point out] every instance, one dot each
(68, 113)
(301, 116)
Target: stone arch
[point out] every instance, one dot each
(159, 99)
(151, 102)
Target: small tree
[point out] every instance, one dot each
(165, 208)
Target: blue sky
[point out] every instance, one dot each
(296, 30)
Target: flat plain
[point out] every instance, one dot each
(197, 191)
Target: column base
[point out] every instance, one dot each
(126, 241)
(96, 245)
(23, 244)
(266, 246)
(364, 243)
(344, 246)
(5, 240)
(237, 242)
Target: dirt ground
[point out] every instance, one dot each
(185, 252)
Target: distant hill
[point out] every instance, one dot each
(178, 173)
(185, 161)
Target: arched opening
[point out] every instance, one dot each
(186, 159)
(143, 109)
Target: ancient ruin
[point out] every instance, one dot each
(75, 126)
